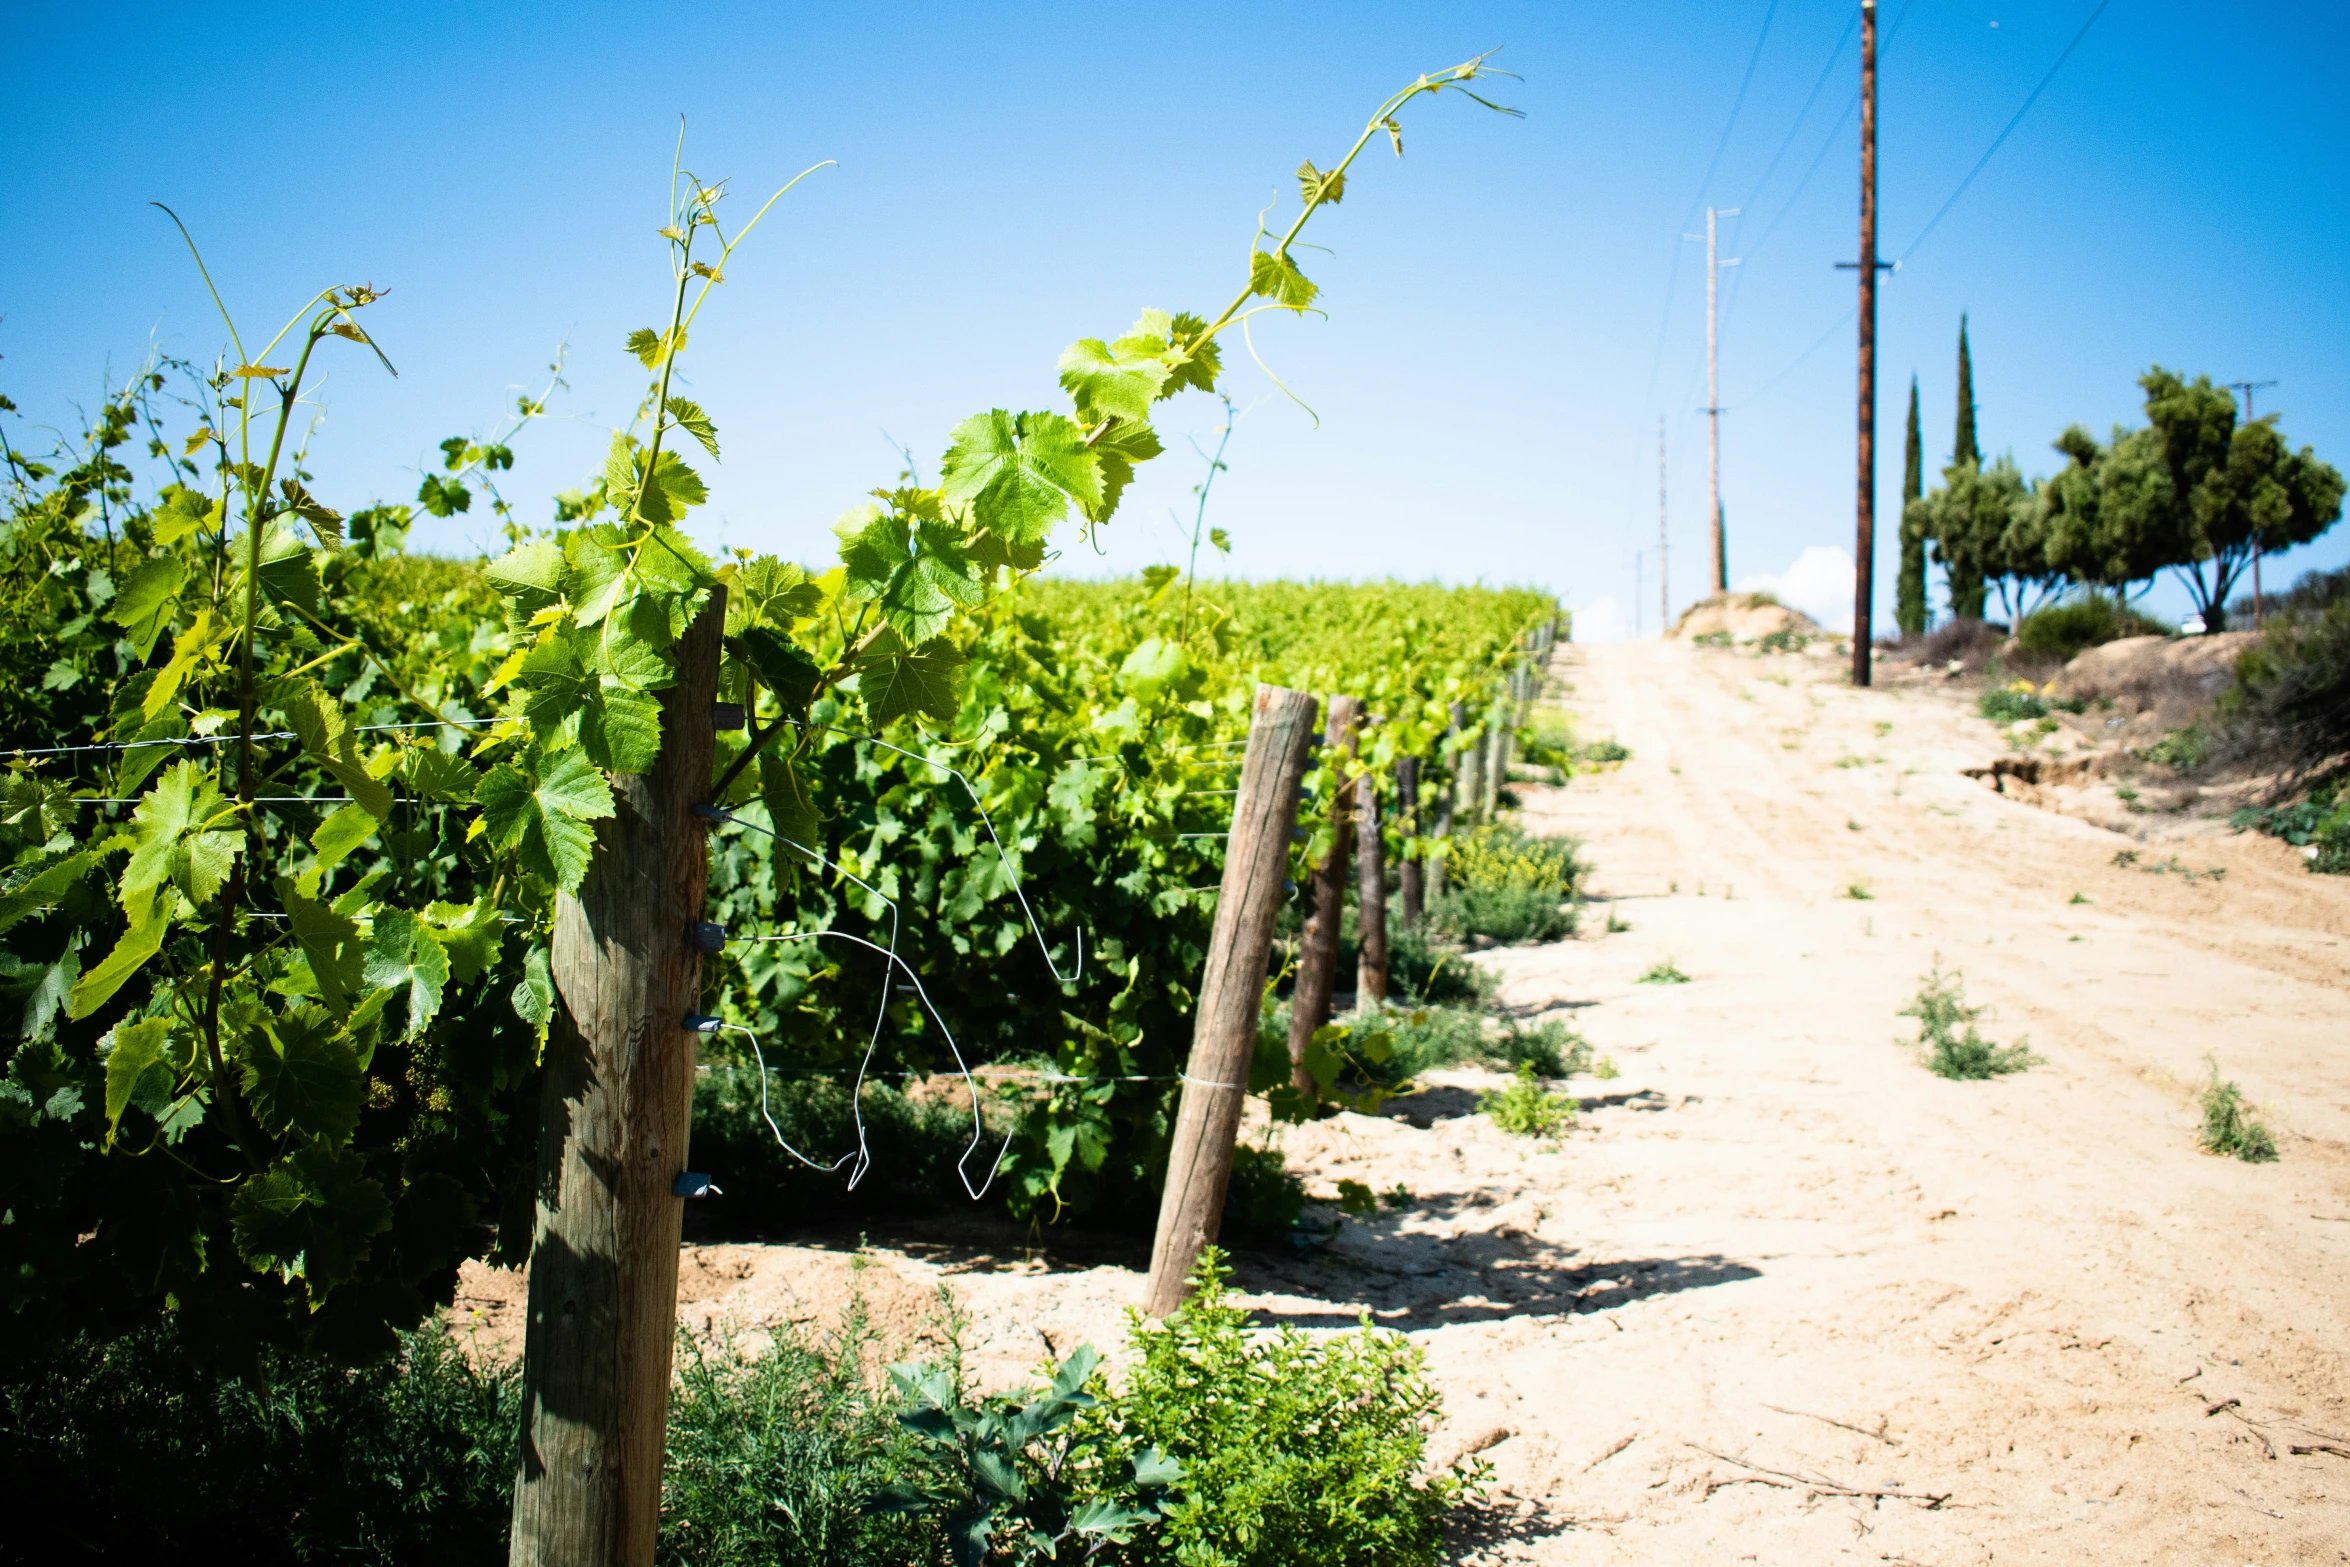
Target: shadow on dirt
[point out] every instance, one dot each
(1414, 1280)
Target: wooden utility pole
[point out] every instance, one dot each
(1409, 886)
(1713, 405)
(1232, 990)
(2248, 388)
(1317, 948)
(1370, 897)
(614, 1116)
(1864, 549)
(1664, 586)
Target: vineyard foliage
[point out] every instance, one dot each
(288, 812)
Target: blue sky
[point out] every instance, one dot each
(1510, 305)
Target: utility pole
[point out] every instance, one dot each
(1664, 590)
(1864, 552)
(1713, 400)
(2248, 388)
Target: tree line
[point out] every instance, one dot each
(2195, 491)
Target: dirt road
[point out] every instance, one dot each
(1781, 1267)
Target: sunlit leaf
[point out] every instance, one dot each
(139, 943)
(896, 680)
(299, 1073)
(179, 829)
(404, 956)
(144, 605)
(1278, 279)
(137, 1051)
(1019, 473)
(694, 422)
(545, 819)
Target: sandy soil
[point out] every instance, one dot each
(1781, 1267)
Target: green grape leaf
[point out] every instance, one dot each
(1221, 540)
(324, 520)
(536, 567)
(633, 645)
(183, 514)
(545, 819)
(300, 1074)
(345, 830)
(1118, 380)
(791, 810)
(289, 573)
(1201, 362)
(139, 943)
(178, 837)
(404, 956)
(1315, 186)
(620, 729)
(533, 997)
(694, 422)
(470, 934)
(136, 1052)
(146, 601)
(327, 738)
(1120, 451)
(896, 680)
(765, 590)
(596, 569)
(1278, 279)
(780, 665)
(436, 774)
(670, 491)
(1018, 473)
(652, 348)
(314, 1212)
(330, 941)
(44, 887)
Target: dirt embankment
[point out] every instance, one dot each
(1785, 1296)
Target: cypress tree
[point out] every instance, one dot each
(1909, 589)
(1967, 588)
(1964, 453)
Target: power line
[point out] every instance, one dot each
(2013, 122)
(1673, 273)
(1804, 113)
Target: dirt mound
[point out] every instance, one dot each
(1742, 617)
(2156, 673)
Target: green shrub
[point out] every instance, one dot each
(2319, 826)
(1946, 1033)
(1264, 1199)
(1508, 886)
(1296, 1451)
(2009, 703)
(1527, 1108)
(773, 1458)
(2063, 631)
(1602, 753)
(2291, 700)
(1422, 970)
(130, 1449)
(1429, 1037)
(2228, 1126)
(1664, 971)
(2181, 749)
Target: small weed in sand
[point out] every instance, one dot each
(1851, 826)
(1673, 887)
(1664, 971)
(1615, 926)
(1884, 727)
(2229, 1126)
(1605, 1069)
(1858, 891)
(2016, 700)
(1527, 1108)
(2129, 859)
(1396, 1196)
(1947, 1036)
(1355, 1199)
(2079, 897)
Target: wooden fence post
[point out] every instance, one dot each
(1448, 800)
(1468, 766)
(614, 1117)
(1370, 897)
(1317, 948)
(1232, 990)
(1496, 761)
(1409, 885)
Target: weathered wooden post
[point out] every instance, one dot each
(1370, 897)
(1409, 886)
(1232, 990)
(1468, 765)
(1317, 948)
(613, 1122)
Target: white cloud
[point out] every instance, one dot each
(1602, 620)
(1819, 584)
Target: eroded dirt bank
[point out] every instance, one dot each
(1781, 1263)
